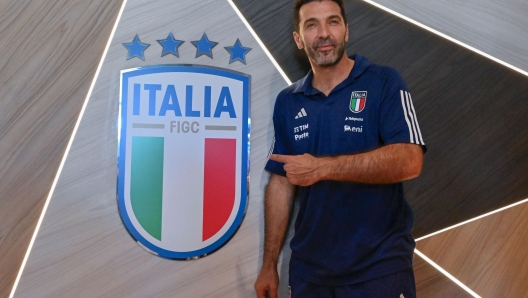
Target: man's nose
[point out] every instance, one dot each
(324, 31)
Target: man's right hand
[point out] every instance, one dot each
(268, 280)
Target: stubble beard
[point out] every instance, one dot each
(326, 58)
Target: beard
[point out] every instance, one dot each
(328, 57)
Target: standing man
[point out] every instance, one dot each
(346, 136)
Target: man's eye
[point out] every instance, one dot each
(312, 25)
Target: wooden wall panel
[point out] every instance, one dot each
(472, 111)
(431, 283)
(48, 56)
(497, 28)
(488, 255)
(83, 248)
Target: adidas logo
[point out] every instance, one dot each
(301, 114)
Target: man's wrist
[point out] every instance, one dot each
(269, 265)
(324, 169)
(270, 260)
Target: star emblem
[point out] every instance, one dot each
(238, 52)
(136, 48)
(170, 45)
(204, 46)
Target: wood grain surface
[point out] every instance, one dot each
(498, 28)
(83, 248)
(488, 255)
(473, 114)
(431, 283)
(48, 55)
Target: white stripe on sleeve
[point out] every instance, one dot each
(405, 114)
(421, 141)
(411, 116)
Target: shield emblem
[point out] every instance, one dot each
(357, 101)
(183, 157)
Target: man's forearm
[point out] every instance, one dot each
(388, 164)
(278, 206)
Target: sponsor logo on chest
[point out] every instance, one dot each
(300, 132)
(349, 128)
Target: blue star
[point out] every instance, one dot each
(238, 52)
(136, 48)
(204, 46)
(170, 45)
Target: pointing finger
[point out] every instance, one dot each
(279, 158)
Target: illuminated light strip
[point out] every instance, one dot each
(473, 219)
(451, 277)
(447, 37)
(63, 161)
(283, 74)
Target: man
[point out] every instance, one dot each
(346, 136)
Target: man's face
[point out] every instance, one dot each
(322, 32)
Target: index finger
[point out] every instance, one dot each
(280, 157)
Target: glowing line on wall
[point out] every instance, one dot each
(447, 37)
(283, 74)
(67, 151)
(472, 219)
(451, 277)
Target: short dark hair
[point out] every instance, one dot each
(299, 3)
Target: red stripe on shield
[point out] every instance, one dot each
(362, 104)
(219, 184)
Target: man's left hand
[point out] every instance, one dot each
(302, 170)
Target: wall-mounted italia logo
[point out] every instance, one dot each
(183, 157)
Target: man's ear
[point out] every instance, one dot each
(346, 33)
(298, 40)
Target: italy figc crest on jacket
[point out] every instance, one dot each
(183, 157)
